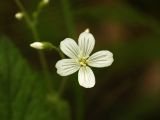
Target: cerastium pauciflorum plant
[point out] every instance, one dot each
(79, 54)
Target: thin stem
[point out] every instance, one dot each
(42, 59)
(27, 18)
(58, 50)
(68, 17)
(37, 12)
(33, 28)
(62, 86)
(71, 31)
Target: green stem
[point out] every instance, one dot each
(26, 16)
(69, 21)
(71, 31)
(58, 51)
(68, 17)
(62, 86)
(33, 28)
(38, 11)
(42, 60)
(32, 25)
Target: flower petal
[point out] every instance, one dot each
(86, 77)
(69, 48)
(102, 58)
(66, 67)
(86, 43)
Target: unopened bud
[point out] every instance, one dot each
(87, 30)
(42, 45)
(19, 15)
(37, 45)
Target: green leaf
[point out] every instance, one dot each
(23, 92)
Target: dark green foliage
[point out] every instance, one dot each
(23, 93)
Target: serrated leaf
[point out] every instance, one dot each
(23, 94)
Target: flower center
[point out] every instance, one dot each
(83, 62)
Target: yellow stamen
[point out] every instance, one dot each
(83, 62)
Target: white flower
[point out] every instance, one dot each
(80, 59)
(37, 45)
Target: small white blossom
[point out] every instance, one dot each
(19, 15)
(80, 59)
(37, 45)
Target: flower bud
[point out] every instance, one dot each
(87, 30)
(42, 45)
(37, 45)
(19, 15)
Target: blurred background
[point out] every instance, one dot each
(127, 90)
